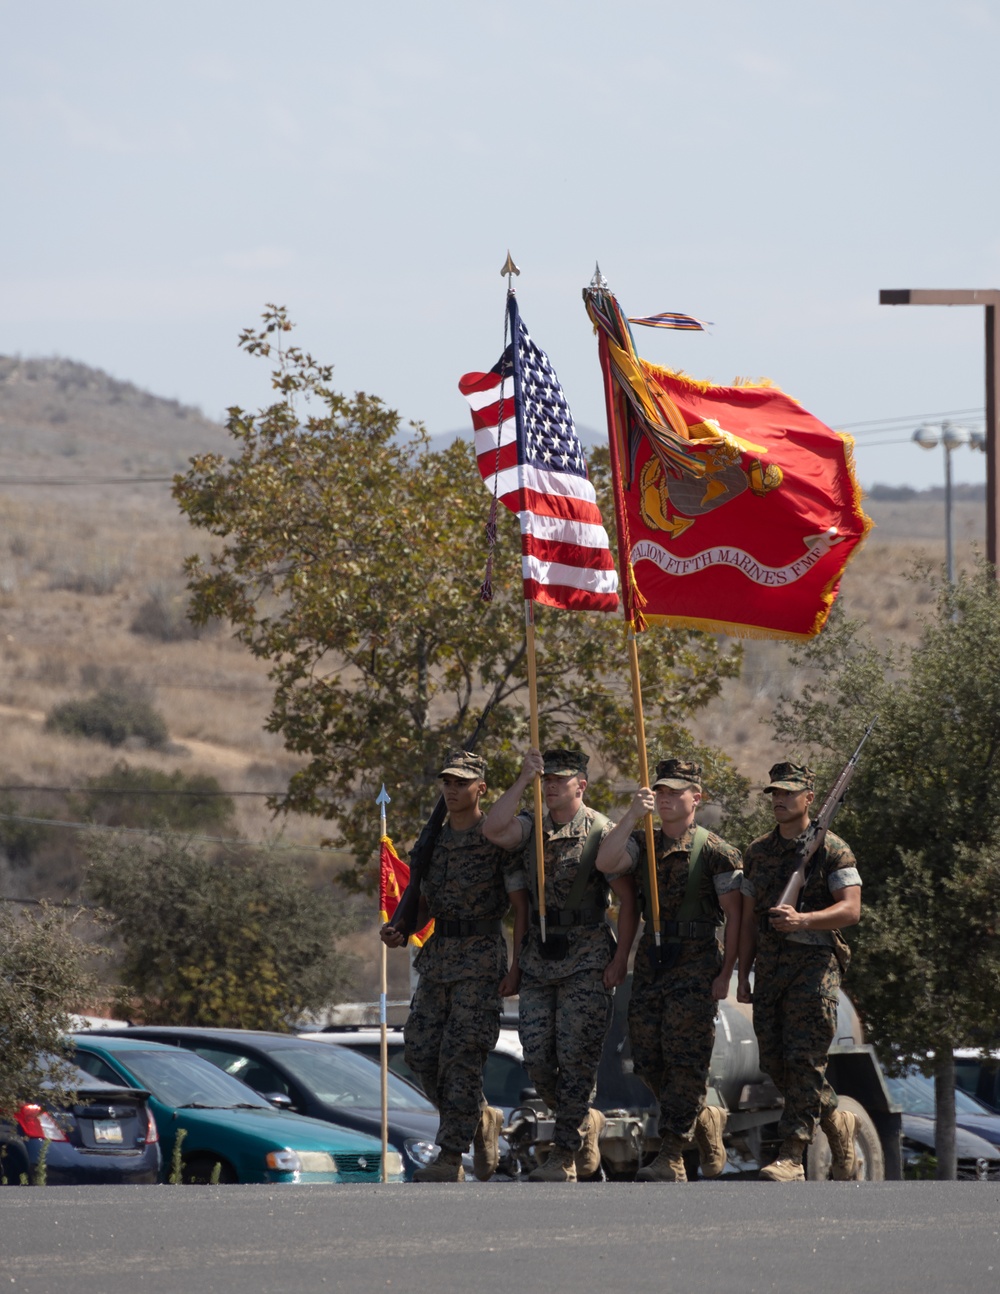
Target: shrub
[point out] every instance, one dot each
(164, 616)
(18, 840)
(140, 797)
(112, 715)
(98, 574)
(43, 976)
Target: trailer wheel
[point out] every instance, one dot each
(871, 1162)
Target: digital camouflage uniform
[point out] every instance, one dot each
(565, 1010)
(797, 978)
(671, 1017)
(454, 1018)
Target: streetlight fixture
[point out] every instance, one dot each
(931, 434)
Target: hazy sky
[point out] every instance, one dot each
(168, 168)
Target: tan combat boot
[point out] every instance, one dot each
(668, 1166)
(840, 1126)
(708, 1132)
(788, 1166)
(560, 1166)
(486, 1143)
(588, 1157)
(446, 1168)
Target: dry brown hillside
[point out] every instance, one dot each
(86, 562)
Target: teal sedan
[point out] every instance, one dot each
(230, 1134)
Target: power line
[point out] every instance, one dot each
(84, 480)
(114, 790)
(910, 418)
(180, 835)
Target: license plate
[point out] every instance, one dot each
(108, 1132)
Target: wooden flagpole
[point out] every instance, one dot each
(382, 799)
(598, 284)
(529, 630)
(509, 270)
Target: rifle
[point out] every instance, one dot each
(405, 916)
(815, 834)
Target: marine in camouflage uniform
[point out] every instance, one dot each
(568, 981)
(800, 958)
(454, 1018)
(675, 992)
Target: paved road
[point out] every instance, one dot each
(706, 1237)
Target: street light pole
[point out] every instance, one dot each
(950, 437)
(990, 299)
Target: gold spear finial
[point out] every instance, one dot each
(509, 267)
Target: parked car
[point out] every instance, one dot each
(228, 1129)
(978, 1073)
(105, 1134)
(977, 1129)
(505, 1080)
(315, 1079)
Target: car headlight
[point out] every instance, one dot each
(420, 1152)
(284, 1161)
(301, 1161)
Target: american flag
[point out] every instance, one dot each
(531, 458)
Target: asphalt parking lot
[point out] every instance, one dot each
(709, 1236)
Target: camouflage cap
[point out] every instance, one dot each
(678, 774)
(463, 763)
(565, 763)
(789, 777)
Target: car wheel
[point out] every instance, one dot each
(868, 1147)
(199, 1170)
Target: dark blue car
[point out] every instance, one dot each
(106, 1135)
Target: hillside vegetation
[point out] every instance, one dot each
(91, 598)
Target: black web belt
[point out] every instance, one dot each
(565, 917)
(457, 928)
(688, 929)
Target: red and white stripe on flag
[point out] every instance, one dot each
(565, 554)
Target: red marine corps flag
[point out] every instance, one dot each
(737, 510)
(394, 876)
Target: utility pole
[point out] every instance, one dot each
(989, 298)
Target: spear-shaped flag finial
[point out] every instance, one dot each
(598, 283)
(382, 799)
(509, 267)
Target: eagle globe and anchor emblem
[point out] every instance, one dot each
(674, 504)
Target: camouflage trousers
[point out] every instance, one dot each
(451, 1030)
(795, 1019)
(562, 1026)
(671, 1026)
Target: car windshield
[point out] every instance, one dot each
(340, 1076)
(915, 1094)
(178, 1078)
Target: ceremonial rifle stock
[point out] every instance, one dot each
(814, 837)
(404, 918)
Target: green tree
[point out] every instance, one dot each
(351, 560)
(228, 939)
(924, 816)
(44, 975)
